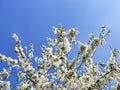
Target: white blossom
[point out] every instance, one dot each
(56, 71)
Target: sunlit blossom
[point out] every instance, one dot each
(55, 70)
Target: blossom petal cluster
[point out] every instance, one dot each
(56, 71)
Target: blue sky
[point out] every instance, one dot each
(32, 20)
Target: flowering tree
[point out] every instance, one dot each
(54, 70)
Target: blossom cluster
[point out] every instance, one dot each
(55, 71)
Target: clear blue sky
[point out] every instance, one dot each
(32, 20)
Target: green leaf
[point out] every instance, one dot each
(61, 30)
(27, 88)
